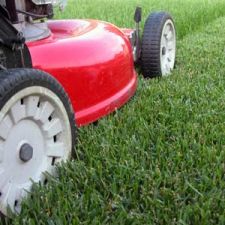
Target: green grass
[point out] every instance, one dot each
(159, 159)
(189, 15)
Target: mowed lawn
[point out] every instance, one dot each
(161, 158)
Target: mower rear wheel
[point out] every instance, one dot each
(37, 130)
(158, 48)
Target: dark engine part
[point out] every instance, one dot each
(14, 58)
(27, 9)
(39, 11)
(27, 16)
(13, 50)
(11, 9)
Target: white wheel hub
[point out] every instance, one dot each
(168, 48)
(35, 134)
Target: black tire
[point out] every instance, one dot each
(16, 81)
(151, 44)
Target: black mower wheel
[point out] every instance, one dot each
(37, 131)
(158, 49)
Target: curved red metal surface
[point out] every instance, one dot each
(93, 62)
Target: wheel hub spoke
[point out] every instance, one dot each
(55, 149)
(44, 112)
(53, 128)
(169, 36)
(18, 112)
(31, 105)
(5, 127)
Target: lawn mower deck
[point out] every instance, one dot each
(95, 57)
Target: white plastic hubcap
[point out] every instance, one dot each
(168, 48)
(35, 134)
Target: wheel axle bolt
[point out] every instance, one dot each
(26, 152)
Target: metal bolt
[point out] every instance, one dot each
(26, 152)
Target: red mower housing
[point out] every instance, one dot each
(92, 60)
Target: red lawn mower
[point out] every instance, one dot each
(59, 74)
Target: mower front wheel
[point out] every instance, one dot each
(37, 130)
(158, 48)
